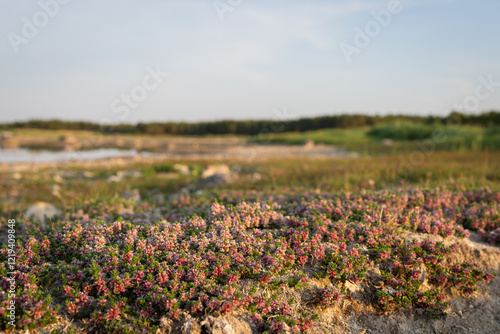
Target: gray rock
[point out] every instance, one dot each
(255, 177)
(115, 178)
(156, 196)
(387, 142)
(215, 175)
(131, 195)
(88, 174)
(40, 211)
(182, 169)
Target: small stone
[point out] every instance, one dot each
(255, 177)
(182, 169)
(191, 326)
(387, 142)
(58, 178)
(352, 287)
(132, 195)
(308, 144)
(230, 325)
(158, 198)
(88, 175)
(375, 272)
(167, 175)
(115, 178)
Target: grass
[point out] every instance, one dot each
(404, 136)
(351, 174)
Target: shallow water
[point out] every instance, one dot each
(25, 155)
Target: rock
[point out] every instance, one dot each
(58, 178)
(131, 195)
(462, 329)
(167, 175)
(39, 211)
(255, 177)
(136, 174)
(352, 287)
(67, 175)
(226, 325)
(156, 196)
(387, 142)
(122, 173)
(308, 144)
(216, 174)
(182, 169)
(374, 274)
(191, 326)
(216, 179)
(215, 169)
(8, 141)
(115, 178)
(88, 175)
(423, 273)
(166, 325)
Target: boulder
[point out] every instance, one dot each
(216, 174)
(40, 211)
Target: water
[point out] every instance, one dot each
(25, 155)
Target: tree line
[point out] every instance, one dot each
(254, 127)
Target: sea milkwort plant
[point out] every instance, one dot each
(194, 257)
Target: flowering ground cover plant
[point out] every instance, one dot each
(198, 257)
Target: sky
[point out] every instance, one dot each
(132, 61)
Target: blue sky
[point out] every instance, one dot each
(261, 56)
